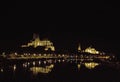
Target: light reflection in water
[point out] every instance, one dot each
(1, 70)
(45, 66)
(59, 60)
(79, 65)
(34, 63)
(43, 70)
(25, 65)
(39, 62)
(28, 63)
(91, 65)
(14, 67)
(45, 62)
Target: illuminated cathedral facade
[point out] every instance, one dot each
(88, 50)
(37, 42)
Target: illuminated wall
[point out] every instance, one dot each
(37, 42)
(91, 50)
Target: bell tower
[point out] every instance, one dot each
(79, 48)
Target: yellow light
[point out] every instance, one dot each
(91, 50)
(91, 65)
(78, 66)
(37, 42)
(44, 70)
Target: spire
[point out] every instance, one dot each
(79, 47)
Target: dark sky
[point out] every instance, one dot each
(65, 35)
(66, 24)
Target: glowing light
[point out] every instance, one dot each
(78, 66)
(39, 62)
(51, 66)
(14, 67)
(15, 53)
(59, 60)
(34, 63)
(63, 55)
(44, 70)
(25, 65)
(91, 50)
(79, 48)
(1, 70)
(28, 63)
(91, 65)
(37, 42)
(37, 70)
(34, 54)
(45, 62)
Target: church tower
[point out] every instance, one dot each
(79, 48)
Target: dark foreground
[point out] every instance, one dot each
(61, 71)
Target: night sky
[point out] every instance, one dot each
(66, 24)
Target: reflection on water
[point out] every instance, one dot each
(14, 67)
(79, 65)
(40, 66)
(1, 70)
(39, 62)
(50, 68)
(46, 66)
(34, 63)
(91, 65)
(45, 69)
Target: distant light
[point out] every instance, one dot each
(1, 70)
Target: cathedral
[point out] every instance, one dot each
(37, 42)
